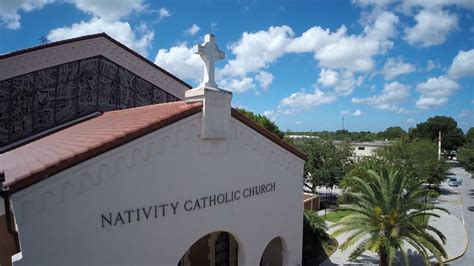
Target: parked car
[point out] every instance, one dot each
(453, 182)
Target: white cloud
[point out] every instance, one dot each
(334, 50)
(431, 64)
(9, 17)
(109, 10)
(299, 122)
(315, 38)
(163, 13)
(463, 65)
(393, 94)
(265, 79)
(432, 27)
(193, 30)
(435, 92)
(411, 121)
(407, 5)
(302, 100)
(181, 61)
(345, 112)
(466, 113)
(357, 113)
(257, 50)
(342, 82)
(268, 113)
(122, 31)
(355, 52)
(237, 84)
(395, 67)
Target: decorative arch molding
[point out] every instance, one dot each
(104, 168)
(255, 142)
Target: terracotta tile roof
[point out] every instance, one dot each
(39, 159)
(46, 156)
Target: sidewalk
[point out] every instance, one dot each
(449, 225)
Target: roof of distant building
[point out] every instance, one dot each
(378, 143)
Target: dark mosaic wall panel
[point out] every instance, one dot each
(4, 96)
(68, 72)
(46, 77)
(66, 101)
(37, 101)
(107, 94)
(159, 96)
(88, 81)
(44, 101)
(126, 88)
(22, 105)
(170, 98)
(144, 91)
(108, 68)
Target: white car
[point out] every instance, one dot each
(453, 182)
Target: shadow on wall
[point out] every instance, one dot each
(8, 244)
(313, 251)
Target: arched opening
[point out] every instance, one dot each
(272, 255)
(217, 249)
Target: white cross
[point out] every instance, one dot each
(209, 53)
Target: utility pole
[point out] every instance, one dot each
(439, 145)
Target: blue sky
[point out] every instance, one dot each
(304, 64)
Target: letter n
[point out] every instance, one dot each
(109, 220)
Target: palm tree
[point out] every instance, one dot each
(387, 213)
(316, 224)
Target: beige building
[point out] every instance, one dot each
(366, 148)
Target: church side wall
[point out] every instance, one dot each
(88, 213)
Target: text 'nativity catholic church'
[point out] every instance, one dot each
(109, 159)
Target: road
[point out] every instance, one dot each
(465, 212)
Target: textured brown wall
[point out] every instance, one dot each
(7, 243)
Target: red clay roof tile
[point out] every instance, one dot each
(41, 158)
(37, 160)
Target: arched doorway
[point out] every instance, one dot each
(216, 249)
(272, 255)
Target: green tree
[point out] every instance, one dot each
(316, 224)
(262, 121)
(466, 153)
(452, 136)
(470, 135)
(419, 156)
(386, 215)
(326, 163)
(392, 133)
(466, 156)
(360, 167)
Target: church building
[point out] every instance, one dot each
(106, 158)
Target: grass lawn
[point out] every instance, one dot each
(335, 216)
(422, 219)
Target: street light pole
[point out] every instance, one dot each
(439, 145)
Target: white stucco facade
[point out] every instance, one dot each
(60, 219)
